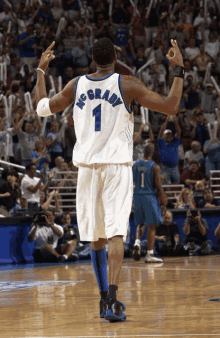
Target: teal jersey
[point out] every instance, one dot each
(143, 177)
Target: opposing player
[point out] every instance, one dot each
(103, 152)
(149, 199)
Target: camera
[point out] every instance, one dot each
(194, 213)
(41, 218)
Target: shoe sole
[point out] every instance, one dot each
(113, 318)
(136, 254)
(153, 262)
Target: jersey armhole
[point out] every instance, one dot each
(122, 95)
(75, 90)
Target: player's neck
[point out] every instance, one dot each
(105, 70)
(148, 158)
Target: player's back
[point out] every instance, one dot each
(143, 177)
(103, 122)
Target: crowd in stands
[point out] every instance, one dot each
(188, 145)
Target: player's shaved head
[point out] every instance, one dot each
(103, 52)
(149, 149)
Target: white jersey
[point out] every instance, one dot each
(103, 122)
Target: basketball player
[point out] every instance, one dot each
(103, 152)
(147, 209)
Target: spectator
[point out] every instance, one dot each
(209, 103)
(167, 237)
(138, 56)
(199, 129)
(169, 204)
(28, 137)
(196, 228)
(201, 61)
(192, 51)
(208, 199)
(184, 200)
(199, 22)
(30, 188)
(40, 157)
(57, 11)
(55, 141)
(26, 42)
(168, 150)
(9, 192)
(70, 238)
(189, 71)
(46, 234)
(191, 93)
(58, 167)
(79, 57)
(190, 176)
(195, 154)
(198, 193)
(138, 149)
(212, 45)
(21, 208)
(212, 150)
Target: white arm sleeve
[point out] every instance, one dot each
(43, 108)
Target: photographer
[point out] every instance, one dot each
(167, 237)
(46, 234)
(70, 238)
(196, 228)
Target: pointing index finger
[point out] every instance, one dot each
(51, 46)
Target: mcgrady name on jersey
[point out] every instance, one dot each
(113, 99)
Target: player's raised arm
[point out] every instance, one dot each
(136, 90)
(58, 102)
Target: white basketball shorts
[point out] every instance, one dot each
(104, 200)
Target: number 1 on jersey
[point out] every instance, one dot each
(97, 112)
(142, 180)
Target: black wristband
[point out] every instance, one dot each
(179, 71)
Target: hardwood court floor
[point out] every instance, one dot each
(167, 300)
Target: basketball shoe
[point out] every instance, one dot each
(136, 253)
(102, 306)
(152, 259)
(115, 311)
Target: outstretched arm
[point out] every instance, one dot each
(134, 89)
(61, 100)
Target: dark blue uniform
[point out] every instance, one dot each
(146, 204)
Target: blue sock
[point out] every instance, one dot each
(99, 262)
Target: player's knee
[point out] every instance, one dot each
(98, 245)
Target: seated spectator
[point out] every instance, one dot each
(167, 237)
(21, 208)
(208, 199)
(168, 150)
(70, 238)
(46, 233)
(191, 175)
(196, 228)
(195, 154)
(169, 204)
(200, 131)
(198, 193)
(184, 200)
(9, 192)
